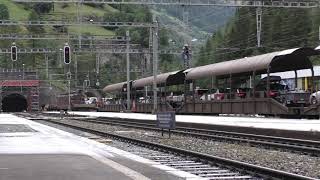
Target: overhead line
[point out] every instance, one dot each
(225, 3)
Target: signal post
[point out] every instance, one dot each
(67, 61)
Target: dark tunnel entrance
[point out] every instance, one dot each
(14, 103)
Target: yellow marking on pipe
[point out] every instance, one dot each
(305, 83)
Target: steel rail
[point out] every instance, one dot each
(297, 145)
(241, 166)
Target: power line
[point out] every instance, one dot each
(232, 3)
(59, 37)
(66, 23)
(87, 50)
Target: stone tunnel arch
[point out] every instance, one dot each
(14, 103)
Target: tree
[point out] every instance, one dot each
(41, 8)
(35, 29)
(4, 12)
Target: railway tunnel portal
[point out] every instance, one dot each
(14, 103)
(19, 91)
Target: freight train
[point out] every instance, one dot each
(78, 101)
(233, 87)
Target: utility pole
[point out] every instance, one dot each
(76, 70)
(97, 69)
(155, 31)
(185, 16)
(47, 65)
(258, 21)
(79, 15)
(128, 70)
(69, 89)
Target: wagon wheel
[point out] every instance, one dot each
(314, 100)
(284, 101)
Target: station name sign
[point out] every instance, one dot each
(166, 120)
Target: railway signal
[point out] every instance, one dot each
(186, 55)
(67, 54)
(14, 52)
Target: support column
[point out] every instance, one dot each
(312, 81)
(258, 21)
(254, 92)
(295, 79)
(128, 71)
(230, 86)
(253, 84)
(155, 62)
(268, 82)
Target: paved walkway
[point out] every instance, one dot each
(33, 151)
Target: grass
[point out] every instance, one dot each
(16, 11)
(93, 30)
(71, 9)
(70, 13)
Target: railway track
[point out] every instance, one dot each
(203, 165)
(294, 145)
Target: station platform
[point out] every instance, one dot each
(251, 122)
(33, 151)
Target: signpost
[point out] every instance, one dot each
(166, 120)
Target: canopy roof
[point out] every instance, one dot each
(280, 61)
(115, 87)
(291, 59)
(170, 78)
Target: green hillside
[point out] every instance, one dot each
(281, 29)
(16, 11)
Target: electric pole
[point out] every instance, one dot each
(258, 21)
(128, 70)
(155, 31)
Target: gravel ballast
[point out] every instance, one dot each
(286, 161)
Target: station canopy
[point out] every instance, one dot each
(280, 61)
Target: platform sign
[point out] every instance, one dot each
(166, 120)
